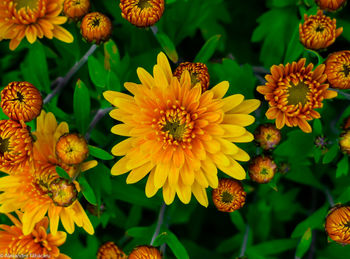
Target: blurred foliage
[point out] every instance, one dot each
(238, 41)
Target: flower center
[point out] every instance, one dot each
(226, 197)
(264, 171)
(95, 22)
(319, 28)
(30, 4)
(4, 145)
(194, 79)
(298, 93)
(346, 70)
(142, 4)
(62, 192)
(175, 129)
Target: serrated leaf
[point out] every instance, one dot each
(342, 167)
(87, 191)
(208, 49)
(100, 153)
(81, 106)
(167, 45)
(331, 154)
(97, 72)
(174, 244)
(62, 173)
(304, 244)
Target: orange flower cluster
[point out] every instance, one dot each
(76, 9)
(338, 69)
(331, 5)
(337, 224)
(110, 251)
(262, 169)
(96, 27)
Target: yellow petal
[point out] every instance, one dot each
(122, 147)
(227, 147)
(200, 194)
(163, 62)
(53, 213)
(67, 221)
(30, 218)
(139, 173)
(145, 78)
(160, 78)
(246, 106)
(233, 130)
(88, 165)
(210, 172)
(220, 89)
(151, 190)
(121, 129)
(120, 167)
(161, 174)
(168, 193)
(235, 170)
(231, 102)
(238, 119)
(187, 175)
(62, 34)
(201, 179)
(184, 192)
(241, 155)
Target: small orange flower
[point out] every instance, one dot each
(21, 101)
(15, 145)
(63, 193)
(142, 13)
(76, 9)
(38, 242)
(229, 196)
(293, 92)
(330, 5)
(72, 149)
(145, 252)
(267, 136)
(344, 142)
(262, 169)
(338, 69)
(198, 72)
(338, 224)
(96, 27)
(318, 31)
(32, 19)
(110, 251)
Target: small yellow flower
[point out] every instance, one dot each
(267, 136)
(262, 169)
(21, 101)
(338, 69)
(72, 149)
(96, 27)
(62, 192)
(145, 252)
(76, 9)
(110, 251)
(338, 224)
(229, 196)
(198, 72)
(142, 13)
(344, 142)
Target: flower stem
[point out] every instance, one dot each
(159, 223)
(98, 116)
(329, 197)
(245, 241)
(61, 82)
(346, 95)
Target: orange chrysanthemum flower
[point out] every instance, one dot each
(338, 69)
(72, 149)
(267, 136)
(344, 142)
(318, 31)
(96, 27)
(262, 169)
(198, 72)
(337, 224)
(110, 251)
(33, 193)
(76, 9)
(37, 243)
(142, 13)
(293, 92)
(15, 145)
(145, 252)
(330, 5)
(229, 196)
(177, 135)
(21, 101)
(32, 19)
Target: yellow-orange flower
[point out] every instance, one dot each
(293, 92)
(37, 243)
(229, 196)
(198, 72)
(32, 19)
(15, 145)
(337, 224)
(21, 101)
(29, 191)
(110, 251)
(267, 136)
(76, 9)
(177, 135)
(142, 13)
(262, 169)
(344, 142)
(72, 149)
(96, 27)
(318, 31)
(338, 69)
(145, 252)
(330, 5)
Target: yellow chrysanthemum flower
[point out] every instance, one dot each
(179, 135)
(32, 19)
(38, 242)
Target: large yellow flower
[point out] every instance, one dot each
(40, 243)
(32, 19)
(178, 135)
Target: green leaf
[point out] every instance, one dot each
(167, 45)
(112, 56)
(274, 246)
(87, 191)
(97, 72)
(237, 220)
(317, 127)
(208, 49)
(304, 244)
(100, 153)
(331, 154)
(173, 242)
(342, 167)
(81, 106)
(294, 48)
(344, 197)
(62, 173)
(113, 82)
(139, 232)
